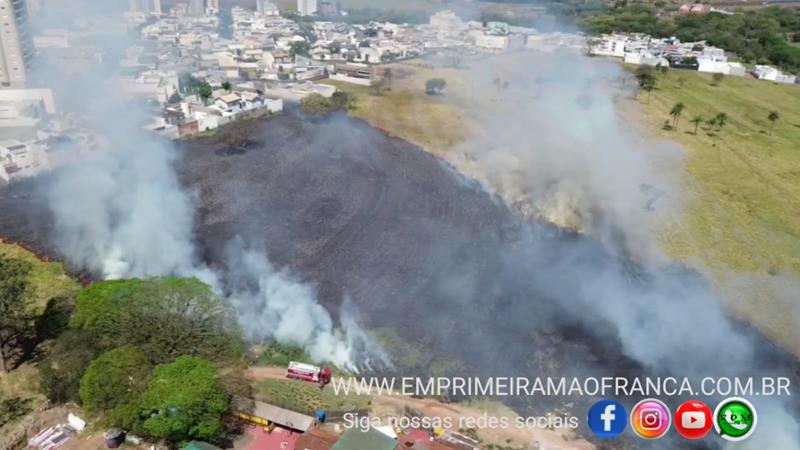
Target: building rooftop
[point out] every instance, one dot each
(356, 439)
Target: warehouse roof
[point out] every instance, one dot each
(356, 439)
(279, 416)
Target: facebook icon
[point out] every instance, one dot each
(608, 418)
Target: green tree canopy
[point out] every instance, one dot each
(114, 381)
(204, 91)
(302, 48)
(316, 104)
(184, 400)
(435, 86)
(13, 307)
(163, 317)
(66, 362)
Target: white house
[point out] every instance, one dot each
(491, 42)
(713, 66)
(770, 73)
(645, 59)
(229, 103)
(609, 45)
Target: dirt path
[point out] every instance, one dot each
(385, 406)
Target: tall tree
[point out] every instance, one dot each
(184, 400)
(773, 117)
(648, 86)
(227, 86)
(115, 380)
(13, 307)
(676, 112)
(697, 120)
(204, 91)
(164, 317)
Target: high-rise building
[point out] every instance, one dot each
(307, 7)
(145, 6)
(16, 43)
(330, 8)
(197, 7)
(213, 6)
(266, 8)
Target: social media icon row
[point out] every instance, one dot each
(734, 419)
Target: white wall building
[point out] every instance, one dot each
(307, 7)
(491, 42)
(723, 67)
(770, 73)
(609, 45)
(267, 8)
(16, 43)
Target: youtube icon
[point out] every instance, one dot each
(693, 420)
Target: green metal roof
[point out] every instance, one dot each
(355, 439)
(197, 445)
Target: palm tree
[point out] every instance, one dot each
(648, 85)
(719, 121)
(722, 119)
(675, 112)
(697, 120)
(773, 117)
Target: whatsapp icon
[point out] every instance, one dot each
(735, 419)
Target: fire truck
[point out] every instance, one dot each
(308, 372)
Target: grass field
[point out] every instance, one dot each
(306, 397)
(404, 110)
(746, 214)
(742, 217)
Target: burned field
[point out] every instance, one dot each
(417, 248)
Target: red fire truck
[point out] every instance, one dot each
(308, 372)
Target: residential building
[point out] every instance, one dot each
(145, 6)
(723, 67)
(307, 7)
(212, 7)
(770, 73)
(491, 42)
(330, 8)
(16, 43)
(197, 8)
(609, 45)
(267, 8)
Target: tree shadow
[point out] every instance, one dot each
(49, 325)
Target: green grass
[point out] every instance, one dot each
(306, 397)
(743, 207)
(405, 111)
(747, 216)
(48, 279)
(277, 354)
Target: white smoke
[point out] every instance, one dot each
(284, 308)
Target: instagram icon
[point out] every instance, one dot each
(651, 418)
